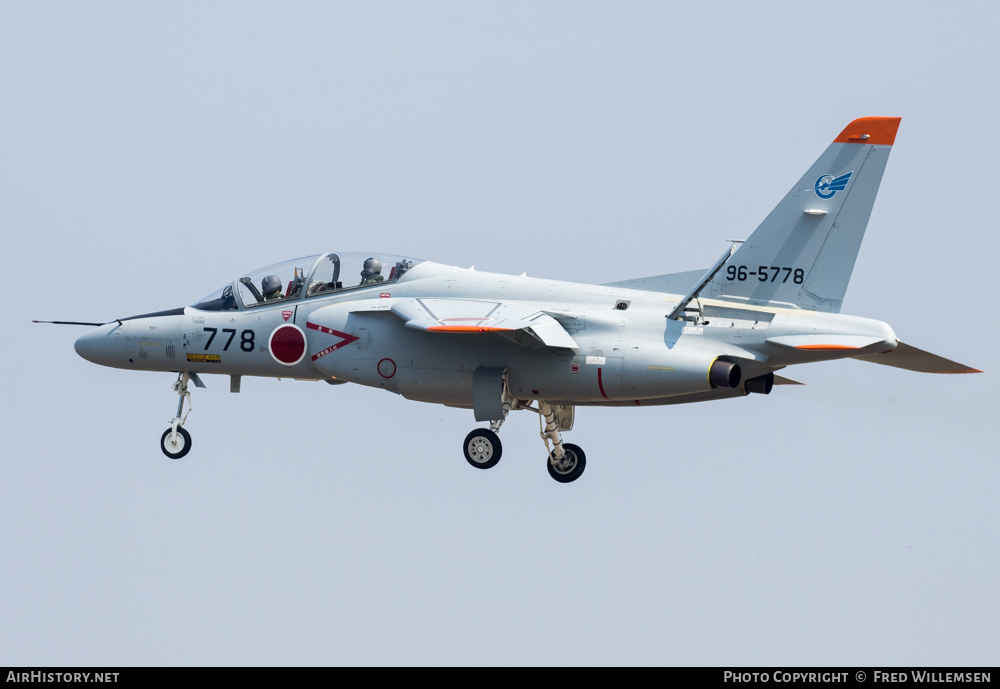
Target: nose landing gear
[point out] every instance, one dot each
(175, 441)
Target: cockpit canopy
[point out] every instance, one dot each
(309, 276)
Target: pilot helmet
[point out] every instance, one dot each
(270, 285)
(372, 266)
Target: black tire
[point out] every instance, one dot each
(572, 465)
(482, 448)
(181, 445)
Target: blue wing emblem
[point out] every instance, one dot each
(828, 185)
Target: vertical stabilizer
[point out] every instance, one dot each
(804, 251)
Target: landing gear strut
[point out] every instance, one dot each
(566, 462)
(175, 441)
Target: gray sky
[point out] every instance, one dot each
(149, 152)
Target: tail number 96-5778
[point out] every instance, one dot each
(766, 274)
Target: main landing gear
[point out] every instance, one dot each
(483, 448)
(175, 441)
(566, 461)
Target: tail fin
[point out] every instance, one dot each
(804, 251)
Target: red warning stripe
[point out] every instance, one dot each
(600, 384)
(345, 339)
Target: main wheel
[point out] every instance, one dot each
(177, 445)
(570, 467)
(482, 448)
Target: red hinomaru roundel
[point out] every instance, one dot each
(287, 344)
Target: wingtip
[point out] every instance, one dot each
(870, 130)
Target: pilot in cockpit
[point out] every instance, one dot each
(371, 274)
(270, 287)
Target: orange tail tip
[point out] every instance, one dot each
(870, 130)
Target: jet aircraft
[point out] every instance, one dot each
(497, 343)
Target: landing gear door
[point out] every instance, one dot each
(487, 393)
(565, 414)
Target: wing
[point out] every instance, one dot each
(482, 316)
(913, 359)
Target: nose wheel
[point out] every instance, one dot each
(175, 443)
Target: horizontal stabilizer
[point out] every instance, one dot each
(913, 359)
(481, 316)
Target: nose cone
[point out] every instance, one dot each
(97, 345)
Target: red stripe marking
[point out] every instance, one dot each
(346, 339)
(600, 383)
(328, 331)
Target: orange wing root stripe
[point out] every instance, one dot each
(462, 329)
(823, 346)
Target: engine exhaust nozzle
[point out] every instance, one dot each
(761, 384)
(723, 374)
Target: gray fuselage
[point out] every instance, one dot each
(626, 351)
